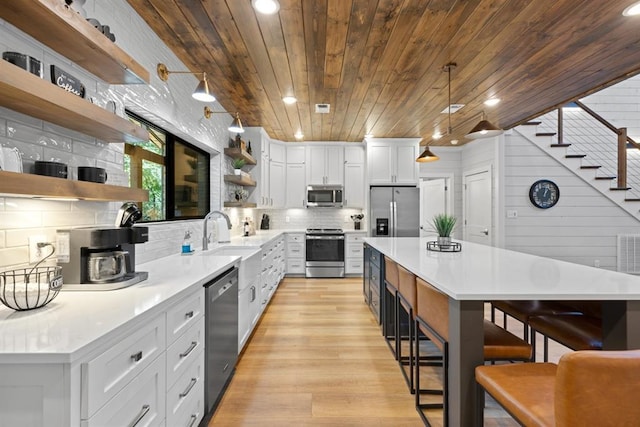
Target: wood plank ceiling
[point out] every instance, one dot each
(379, 63)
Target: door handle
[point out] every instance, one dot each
(485, 232)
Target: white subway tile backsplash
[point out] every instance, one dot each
(2, 239)
(17, 238)
(10, 219)
(26, 133)
(24, 204)
(14, 256)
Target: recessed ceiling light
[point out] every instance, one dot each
(268, 7)
(632, 10)
(289, 100)
(454, 142)
(368, 135)
(491, 102)
(436, 135)
(299, 135)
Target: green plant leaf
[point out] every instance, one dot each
(443, 224)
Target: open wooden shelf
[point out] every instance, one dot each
(24, 184)
(237, 153)
(28, 94)
(239, 205)
(65, 31)
(240, 180)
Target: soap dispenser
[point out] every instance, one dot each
(186, 243)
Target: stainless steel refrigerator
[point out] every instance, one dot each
(394, 211)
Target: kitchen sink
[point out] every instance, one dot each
(250, 265)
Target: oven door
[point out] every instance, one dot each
(325, 256)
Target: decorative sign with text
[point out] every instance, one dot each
(66, 81)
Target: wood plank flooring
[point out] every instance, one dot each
(318, 358)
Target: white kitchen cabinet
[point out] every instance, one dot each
(260, 144)
(277, 183)
(354, 252)
(296, 177)
(185, 399)
(295, 253)
(296, 187)
(325, 165)
(392, 161)
(354, 177)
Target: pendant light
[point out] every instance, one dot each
(484, 129)
(201, 93)
(427, 155)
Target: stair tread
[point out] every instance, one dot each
(531, 123)
(545, 133)
(620, 188)
(590, 167)
(561, 145)
(575, 156)
(605, 177)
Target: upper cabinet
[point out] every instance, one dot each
(325, 165)
(354, 176)
(65, 31)
(296, 176)
(392, 161)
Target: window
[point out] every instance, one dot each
(175, 173)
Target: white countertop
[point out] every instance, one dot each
(482, 272)
(67, 328)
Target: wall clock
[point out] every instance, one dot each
(544, 194)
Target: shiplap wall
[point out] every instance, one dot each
(167, 104)
(581, 228)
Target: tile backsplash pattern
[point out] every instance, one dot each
(168, 104)
(301, 219)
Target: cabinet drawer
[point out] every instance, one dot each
(295, 237)
(295, 266)
(353, 238)
(186, 348)
(185, 400)
(142, 400)
(353, 266)
(375, 257)
(108, 373)
(184, 314)
(354, 250)
(295, 250)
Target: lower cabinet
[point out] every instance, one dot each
(295, 253)
(353, 253)
(152, 374)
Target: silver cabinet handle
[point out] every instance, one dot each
(189, 387)
(193, 345)
(145, 409)
(136, 357)
(193, 418)
(253, 294)
(189, 314)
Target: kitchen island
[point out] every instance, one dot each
(481, 273)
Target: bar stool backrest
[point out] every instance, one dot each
(391, 272)
(407, 286)
(598, 388)
(432, 307)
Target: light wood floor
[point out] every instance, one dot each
(318, 358)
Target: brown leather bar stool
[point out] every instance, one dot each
(523, 310)
(570, 393)
(432, 318)
(390, 307)
(581, 330)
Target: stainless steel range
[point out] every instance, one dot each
(325, 252)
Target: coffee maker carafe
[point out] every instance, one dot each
(100, 258)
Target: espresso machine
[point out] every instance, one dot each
(95, 258)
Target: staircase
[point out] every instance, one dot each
(589, 149)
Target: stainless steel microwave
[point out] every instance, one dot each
(324, 196)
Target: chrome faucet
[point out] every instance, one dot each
(205, 236)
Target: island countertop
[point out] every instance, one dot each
(481, 272)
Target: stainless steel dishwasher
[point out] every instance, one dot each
(221, 329)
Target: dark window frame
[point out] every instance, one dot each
(169, 164)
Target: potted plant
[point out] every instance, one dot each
(237, 165)
(443, 224)
(356, 221)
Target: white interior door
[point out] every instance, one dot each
(478, 199)
(433, 201)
